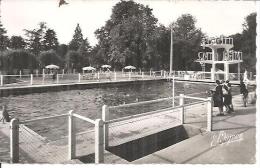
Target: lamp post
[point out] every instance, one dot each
(171, 51)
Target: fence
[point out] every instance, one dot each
(47, 79)
(127, 122)
(52, 139)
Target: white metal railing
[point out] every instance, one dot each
(47, 79)
(107, 120)
(220, 40)
(99, 146)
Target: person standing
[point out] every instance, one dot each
(218, 98)
(227, 97)
(4, 115)
(243, 92)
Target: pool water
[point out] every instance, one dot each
(89, 102)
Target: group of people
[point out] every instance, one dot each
(222, 96)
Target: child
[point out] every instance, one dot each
(5, 115)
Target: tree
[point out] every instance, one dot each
(186, 42)
(249, 42)
(77, 39)
(17, 42)
(62, 50)
(50, 40)
(128, 36)
(74, 60)
(84, 51)
(3, 38)
(35, 37)
(18, 59)
(49, 57)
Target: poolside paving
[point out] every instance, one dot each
(218, 146)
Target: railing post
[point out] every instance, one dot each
(2, 80)
(79, 78)
(20, 74)
(129, 75)
(209, 114)
(181, 101)
(31, 79)
(114, 75)
(99, 141)
(72, 137)
(105, 117)
(173, 91)
(98, 75)
(14, 141)
(57, 78)
(250, 76)
(142, 75)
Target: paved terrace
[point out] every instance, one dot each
(241, 122)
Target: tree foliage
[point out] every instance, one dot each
(186, 42)
(17, 42)
(127, 38)
(18, 59)
(3, 38)
(35, 37)
(49, 57)
(77, 39)
(50, 40)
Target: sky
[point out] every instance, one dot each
(213, 17)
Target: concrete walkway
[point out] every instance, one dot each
(233, 141)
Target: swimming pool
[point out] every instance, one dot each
(88, 102)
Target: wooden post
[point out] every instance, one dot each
(129, 75)
(173, 91)
(105, 117)
(31, 79)
(71, 136)
(98, 75)
(209, 114)
(79, 78)
(2, 80)
(14, 141)
(142, 74)
(161, 73)
(181, 101)
(99, 141)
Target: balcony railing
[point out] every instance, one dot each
(214, 41)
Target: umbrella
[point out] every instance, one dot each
(89, 68)
(105, 66)
(129, 67)
(51, 66)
